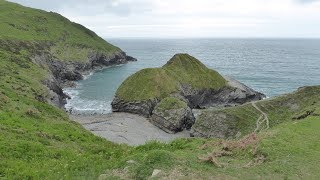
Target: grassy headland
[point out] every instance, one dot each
(181, 69)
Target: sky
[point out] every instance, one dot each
(190, 18)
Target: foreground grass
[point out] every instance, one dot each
(290, 150)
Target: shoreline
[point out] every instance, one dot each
(125, 128)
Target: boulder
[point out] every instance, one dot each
(172, 115)
(143, 107)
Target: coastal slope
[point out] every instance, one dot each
(258, 116)
(40, 52)
(39, 141)
(63, 48)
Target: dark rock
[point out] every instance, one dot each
(172, 120)
(234, 94)
(143, 108)
(216, 125)
(129, 58)
(64, 73)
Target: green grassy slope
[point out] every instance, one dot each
(38, 141)
(160, 82)
(68, 40)
(285, 108)
(287, 151)
(171, 103)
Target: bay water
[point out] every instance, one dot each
(271, 66)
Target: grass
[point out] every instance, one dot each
(171, 103)
(68, 41)
(38, 141)
(147, 84)
(158, 83)
(188, 70)
(290, 150)
(242, 119)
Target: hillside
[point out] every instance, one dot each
(38, 140)
(258, 116)
(67, 40)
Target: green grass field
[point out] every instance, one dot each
(38, 141)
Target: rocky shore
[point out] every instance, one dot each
(64, 73)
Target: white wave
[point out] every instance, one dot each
(86, 76)
(77, 105)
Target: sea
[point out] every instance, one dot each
(271, 66)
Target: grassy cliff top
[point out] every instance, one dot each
(181, 69)
(19, 23)
(171, 103)
(286, 108)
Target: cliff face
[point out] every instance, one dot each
(66, 50)
(183, 78)
(64, 73)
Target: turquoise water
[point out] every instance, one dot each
(272, 66)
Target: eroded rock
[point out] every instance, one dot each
(172, 115)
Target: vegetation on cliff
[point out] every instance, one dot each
(66, 40)
(241, 120)
(181, 69)
(171, 103)
(38, 141)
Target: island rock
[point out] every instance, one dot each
(185, 78)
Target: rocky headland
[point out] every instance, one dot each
(168, 94)
(64, 73)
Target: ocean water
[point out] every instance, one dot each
(271, 66)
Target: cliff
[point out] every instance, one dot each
(63, 48)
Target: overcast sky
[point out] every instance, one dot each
(190, 18)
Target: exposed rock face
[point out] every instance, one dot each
(143, 108)
(235, 93)
(173, 119)
(217, 125)
(64, 73)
